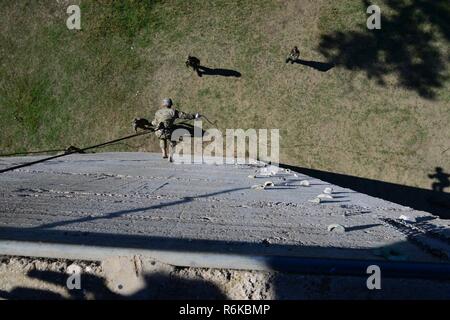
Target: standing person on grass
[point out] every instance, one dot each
(293, 55)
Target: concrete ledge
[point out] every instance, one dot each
(302, 265)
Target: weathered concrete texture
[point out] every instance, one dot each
(30, 278)
(139, 200)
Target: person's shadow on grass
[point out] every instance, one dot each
(443, 180)
(202, 70)
(319, 66)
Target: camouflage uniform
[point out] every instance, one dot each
(293, 55)
(164, 120)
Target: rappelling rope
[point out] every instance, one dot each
(76, 150)
(30, 152)
(207, 120)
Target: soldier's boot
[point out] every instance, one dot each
(171, 146)
(164, 153)
(163, 145)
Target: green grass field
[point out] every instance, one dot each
(383, 112)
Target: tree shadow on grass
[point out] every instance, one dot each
(406, 45)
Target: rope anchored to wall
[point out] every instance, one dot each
(73, 149)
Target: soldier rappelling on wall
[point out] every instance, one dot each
(164, 124)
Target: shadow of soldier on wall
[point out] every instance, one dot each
(158, 286)
(443, 180)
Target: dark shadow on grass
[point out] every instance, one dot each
(205, 71)
(442, 178)
(319, 66)
(404, 46)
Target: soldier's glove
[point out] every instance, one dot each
(197, 116)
